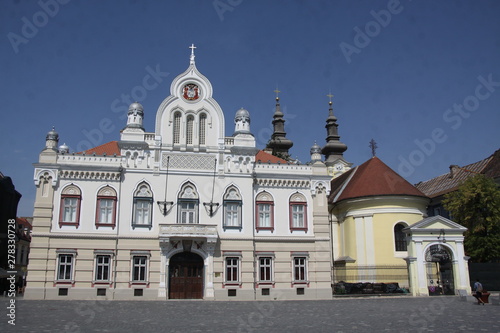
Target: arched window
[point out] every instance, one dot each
(189, 130)
(187, 204)
(203, 129)
(298, 212)
(264, 211)
(232, 209)
(177, 127)
(106, 208)
(142, 216)
(400, 237)
(71, 198)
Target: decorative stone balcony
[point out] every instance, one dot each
(188, 232)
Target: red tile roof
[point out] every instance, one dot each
(24, 222)
(268, 158)
(109, 148)
(372, 178)
(451, 181)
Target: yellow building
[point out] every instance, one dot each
(381, 236)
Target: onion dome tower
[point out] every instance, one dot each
(52, 139)
(315, 153)
(63, 149)
(242, 122)
(279, 144)
(334, 149)
(135, 116)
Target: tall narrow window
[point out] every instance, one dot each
(142, 210)
(70, 206)
(202, 129)
(400, 237)
(189, 130)
(102, 268)
(298, 212)
(177, 127)
(264, 211)
(232, 208)
(265, 269)
(299, 269)
(106, 208)
(65, 265)
(187, 205)
(232, 269)
(139, 268)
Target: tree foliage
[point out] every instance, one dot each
(476, 206)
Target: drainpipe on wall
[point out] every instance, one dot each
(117, 221)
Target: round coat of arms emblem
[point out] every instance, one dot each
(191, 92)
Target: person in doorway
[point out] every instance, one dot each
(478, 292)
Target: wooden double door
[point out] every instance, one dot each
(185, 276)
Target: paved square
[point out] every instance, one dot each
(387, 314)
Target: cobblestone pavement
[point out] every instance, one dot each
(387, 314)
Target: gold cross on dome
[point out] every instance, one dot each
(277, 92)
(330, 96)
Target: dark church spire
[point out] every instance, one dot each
(279, 143)
(334, 149)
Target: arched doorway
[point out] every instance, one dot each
(439, 270)
(185, 276)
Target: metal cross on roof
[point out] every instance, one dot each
(192, 47)
(277, 92)
(330, 96)
(373, 146)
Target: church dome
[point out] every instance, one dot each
(136, 107)
(315, 149)
(242, 122)
(52, 135)
(242, 113)
(64, 149)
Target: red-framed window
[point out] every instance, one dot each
(69, 214)
(298, 212)
(106, 208)
(264, 212)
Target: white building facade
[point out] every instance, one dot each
(180, 213)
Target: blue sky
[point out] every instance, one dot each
(422, 78)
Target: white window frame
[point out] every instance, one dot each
(234, 266)
(188, 196)
(145, 266)
(142, 196)
(268, 256)
(104, 254)
(67, 253)
(304, 257)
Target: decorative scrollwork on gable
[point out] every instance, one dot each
(320, 187)
(46, 175)
(298, 197)
(107, 191)
(264, 196)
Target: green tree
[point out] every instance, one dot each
(476, 206)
